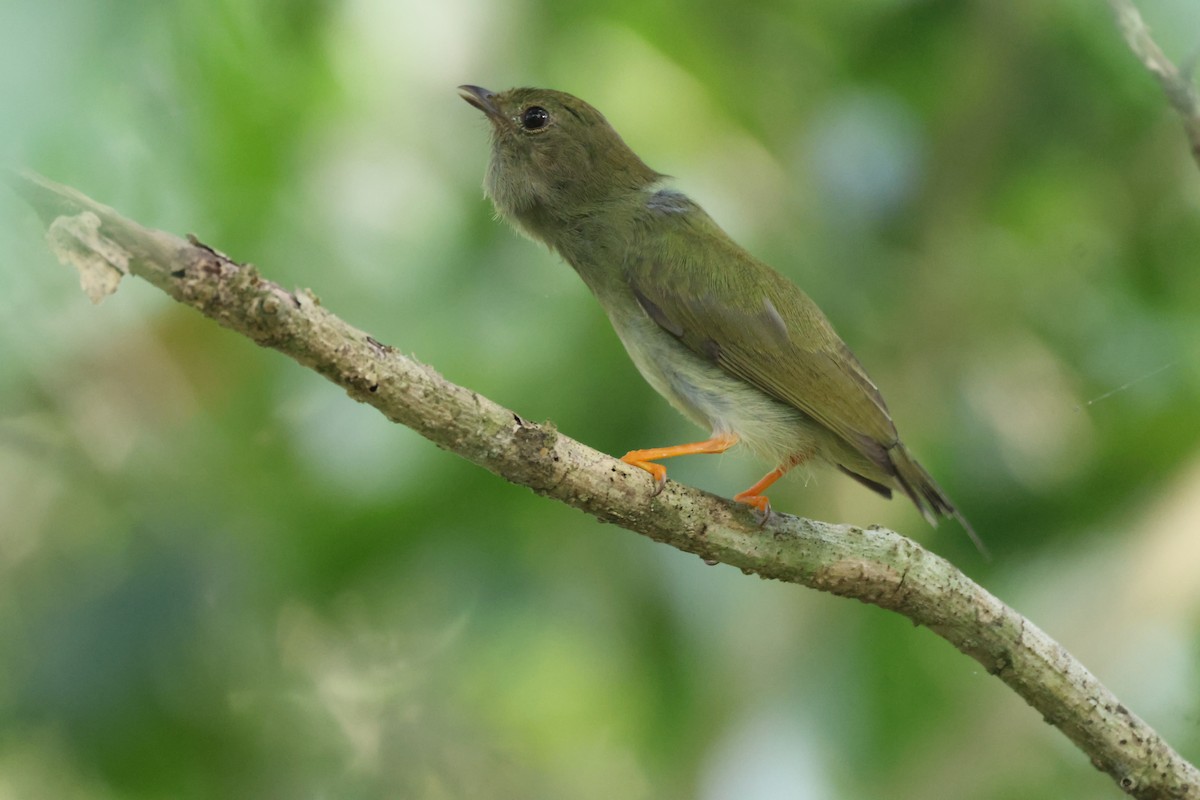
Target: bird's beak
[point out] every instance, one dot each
(482, 99)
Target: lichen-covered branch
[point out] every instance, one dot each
(874, 565)
(1181, 91)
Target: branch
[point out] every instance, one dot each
(1181, 93)
(874, 565)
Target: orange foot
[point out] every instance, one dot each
(759, 501)
(657, 471)
(754, 495)
(645, 458)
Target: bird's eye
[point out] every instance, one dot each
(534, 118)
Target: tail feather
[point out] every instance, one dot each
(926, 495)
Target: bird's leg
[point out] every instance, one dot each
(754, 495)
(645, 459)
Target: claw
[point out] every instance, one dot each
(754, 495)
(646, 459)
(657, 471)
(759, 502)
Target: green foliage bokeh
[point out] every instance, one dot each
(220, 577)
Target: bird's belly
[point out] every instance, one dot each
(713, 398)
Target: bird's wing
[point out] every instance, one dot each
(728, 307)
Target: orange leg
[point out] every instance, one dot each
(754, 495)
(646, 458)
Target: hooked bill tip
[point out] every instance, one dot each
(479, 97)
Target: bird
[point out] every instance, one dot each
(731, 343)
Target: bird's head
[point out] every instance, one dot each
(554, 157)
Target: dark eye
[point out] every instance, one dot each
(534, 117)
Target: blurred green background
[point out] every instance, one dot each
(219, 577)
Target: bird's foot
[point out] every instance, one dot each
(760, 502)
(657, 471)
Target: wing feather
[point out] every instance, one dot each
(726, 306)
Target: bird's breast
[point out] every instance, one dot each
(711, 397)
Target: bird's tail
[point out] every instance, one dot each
(926, 495)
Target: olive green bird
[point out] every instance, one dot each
(728, 341)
